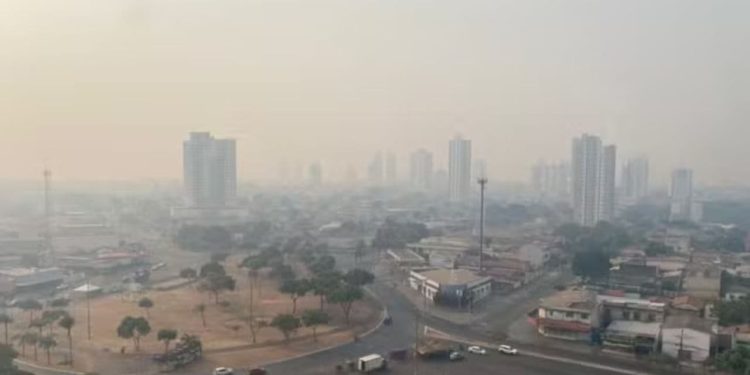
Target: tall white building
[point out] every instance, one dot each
(551, 181)
(635, 175)
(420, 169)
(593, 180)
(209, 170)
(459, 169)
(391, 172)
(683, 206)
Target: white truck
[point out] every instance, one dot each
(372, 362)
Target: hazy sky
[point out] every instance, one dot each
(108, 89)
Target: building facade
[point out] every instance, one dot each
(421, 169)
(459, 169)
(683, 206)
(451, 287)
(593, 181)
(551, 181)
(635, 175)
(567, 315)
(209, 171)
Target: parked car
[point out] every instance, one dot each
(223, 371)
(476, 350)
(456, 356)
(507, 349)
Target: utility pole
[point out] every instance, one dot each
(482, 183)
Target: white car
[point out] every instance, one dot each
(223, 371)
(476, 350)
(507, 349)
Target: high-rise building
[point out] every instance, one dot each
(391, 173)
(683, 206)
(459, 169)
(551, 181)
(421, 169)
(209, 170)
(635, 180)
(593, 167)
(375, 170)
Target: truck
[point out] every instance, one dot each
(372, 362)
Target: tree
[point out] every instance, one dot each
(201, 309)
(654, 249)
(38, 324)
(295, 289)
(30, 306)
(6, 319)
(287, 324)
(67, 322)
(359, 277)
(133, 329)
(324, 284)
(592, 264)
(314, 318)
(29, 339)
(146, 304)
(47, 343)
(345, 296)
(49, 318)
(359, 251)
(282, 271)
(212, 269)
(216, 284)
(323, 264)
(733, 312)
(166, 335)
(255, 325)
(396, 234)
(188, 273)
(736, 360)
(59, 303)
(219, 257)
(7, 355)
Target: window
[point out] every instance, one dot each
(651, 317)
(584, 316)
(637, 316)
(626, 315)
(569, 314)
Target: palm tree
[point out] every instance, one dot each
(166, 335)
(67, 323)
(6, 319)
(29, 338)
(201, 309)
(29, 305)
(47, 343)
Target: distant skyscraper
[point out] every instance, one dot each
(635, 180)
(459, 169)
(593, 167)
(421, 169)
(316, 174)
(209, 170)
(375, 170)
(551, 181)
(391, 171)
(683, 206)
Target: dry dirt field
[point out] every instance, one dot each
(225, 329)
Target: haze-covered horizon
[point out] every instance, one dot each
(109, 90)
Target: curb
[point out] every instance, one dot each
(43, 368)
(372, 330)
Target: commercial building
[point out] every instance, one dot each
(632, 337)
(451, 287)
(683, 206)
(688, 338)
(617, 309)
(593, 170)
(209, 170)
(459, 169)
(635, 175)
(421, 169)
(567, 315)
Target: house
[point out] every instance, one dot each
(736, 292)
(702, 281)
(405, 258)
(632, 337)
(567, 315)
(440, 251)
(635, 278)
(687, 305)
(451, 287)
(613, 309)
(688, 338)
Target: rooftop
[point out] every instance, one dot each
(452, 276)
(689, 321)
(570, 299)
(631, 302)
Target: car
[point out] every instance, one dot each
(476, 350)
(456, 356)
(507, 349)
(223, 371)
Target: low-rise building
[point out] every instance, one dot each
(636, 278)
(688, 338)
(451, 287)
(441, 251)
(567, 315)
(406, 258)
(687, 305)
(736, 292)
(702, 281)
(613, 309)
(30, 278)
(632, 337)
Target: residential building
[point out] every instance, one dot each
(593, 170)
(636, 278)
(441, 251)
(209, 171)
(421, 169)
(613, 309)
(632, 337)
(687, 305)
(459, 169)
(567, 315)
(702, 281)
(451, 287)
(688, 338)
(683, 205)
(635, 176)
(551, 181)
